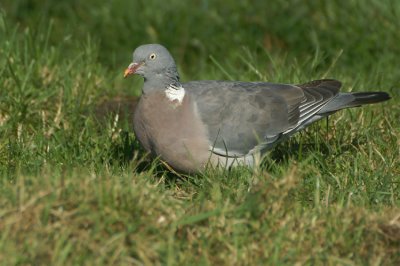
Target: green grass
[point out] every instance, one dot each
(76, 189)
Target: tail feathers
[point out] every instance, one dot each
(348, 100)
(369, 97)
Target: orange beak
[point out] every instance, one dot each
(132, 68)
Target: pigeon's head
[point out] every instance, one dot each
(152, 61)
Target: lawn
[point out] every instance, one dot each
(77, 189)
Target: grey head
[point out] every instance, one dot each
(155, 64)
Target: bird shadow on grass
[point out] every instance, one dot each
(296, 150)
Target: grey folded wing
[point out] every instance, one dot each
(244, 117)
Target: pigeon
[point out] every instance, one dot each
(210, 123)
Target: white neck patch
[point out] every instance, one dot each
(175, 93)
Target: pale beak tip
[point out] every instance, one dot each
(127, 72)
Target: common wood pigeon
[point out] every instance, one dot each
(224, 123)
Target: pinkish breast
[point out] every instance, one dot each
(173, 131)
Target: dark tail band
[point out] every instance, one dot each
(369, 97)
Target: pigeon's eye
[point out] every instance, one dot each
(152, 56)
